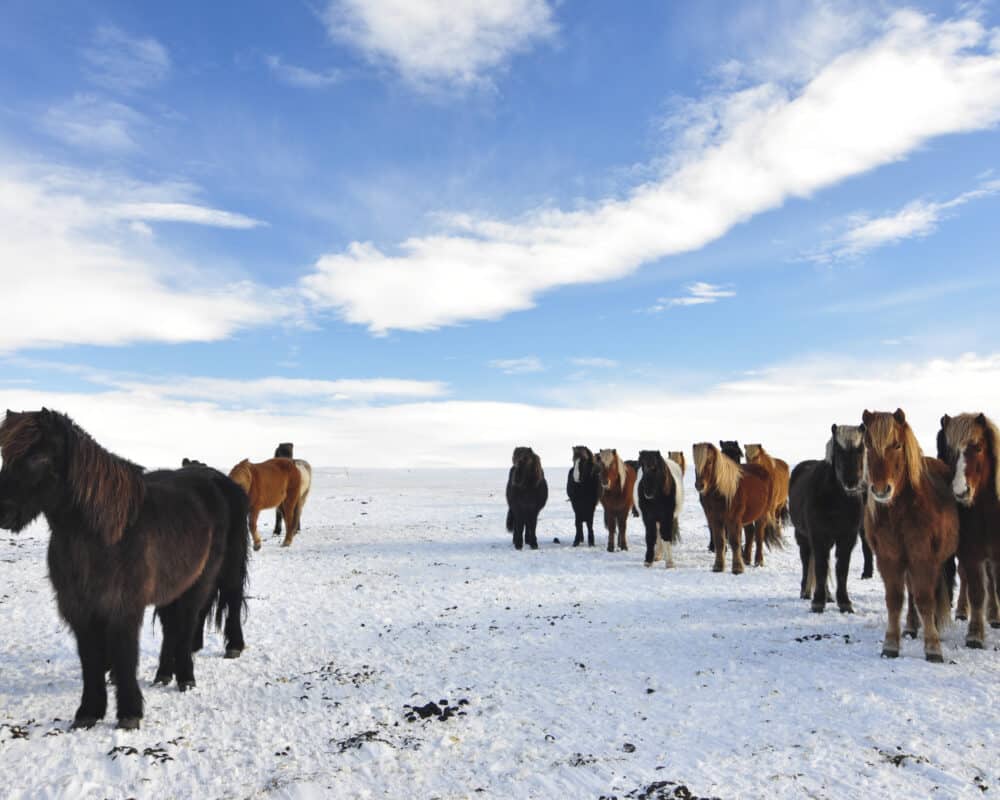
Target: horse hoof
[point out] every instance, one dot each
(256, 546)
(183, 686)
(285, 544)
(83, 723)
(935, 658)
(974, 644)
(866, 576)
(818, 608)
(909, 634)
(162, 680)
(847, 608)
(232, 652)
(533, 546)
(647, 563)
(887, 653)
(577, 544)
(718, 568)
(995, 625)
(128, 724)
(804, 595)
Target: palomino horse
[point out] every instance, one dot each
(617, 495)
(677, 456)
(826, 499)
(527, 493)
(275, 482)
(778, 504)
(583, 487)
(911, 524)
(732, 495)
(123, 539)
(972, 446)
(661, 494)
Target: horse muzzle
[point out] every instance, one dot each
(883, 497)
(965, 498)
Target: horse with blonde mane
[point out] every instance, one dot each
(271, 483)
(911, 524)
(777, 505)
(617, 495)
(732, 496)
(677, 456)
(970, 443)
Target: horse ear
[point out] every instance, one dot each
(945, 420)
(899, 416)
(866, 417)
(981, 419)
(833, 429)
(862, 427)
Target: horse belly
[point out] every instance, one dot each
(170, 574)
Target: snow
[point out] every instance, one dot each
(584, 673)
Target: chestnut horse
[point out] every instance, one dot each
(275, 482)
(778, 504)
(617, 495)
(971, 445)
(732, 495)
(911, 524)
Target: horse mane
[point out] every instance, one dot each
(107, 490)
(756, 454)
(677, 456)
(727, 472)
(242, 475)
(961, 429)
(845, 436)
(609, 457)
(880, 429)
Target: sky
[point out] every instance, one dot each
(404, 233)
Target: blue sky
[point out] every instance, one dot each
(449, 228)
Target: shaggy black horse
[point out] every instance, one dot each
(122, 540)
(283, 450)
(826, 500)
(657, 502)
(527, 493)
(583, 487)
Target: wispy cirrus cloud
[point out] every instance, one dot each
(433, 44)
(91, 122)
(122, 62)
(184, 212)
(699, 293)
(517, 366)
(301, 77)
(869, 106)
(916, 219)
(594, 362)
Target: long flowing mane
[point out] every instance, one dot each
(962, 429)
(846, 436)
(881, 427)
(612, 460)
(107, 489)
(677, 456)
(727, 472)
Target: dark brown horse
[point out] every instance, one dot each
(283, 450)
(275, 482)
(971, 445)
(777, 505)
(911, 524)
(617, 495)
(732, 495)
(121, 540)
(527, 494)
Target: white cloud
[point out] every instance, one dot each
(789, 408)
(916, 219)
(699, 293)
(125, 63)
(868, 107)
(428, 42)
(184, 212)
(597, 363)
(75, 273)
(517, 366)
(301, 77)
(93, 123)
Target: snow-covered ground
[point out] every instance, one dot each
(573, 673)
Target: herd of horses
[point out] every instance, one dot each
(123, 538)
(923, 519)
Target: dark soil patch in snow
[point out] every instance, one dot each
(157, 753)
(899, 758)
(816, 637)
(440, 711)
(659, 790)
(354, 742)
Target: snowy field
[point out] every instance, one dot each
(565, 673)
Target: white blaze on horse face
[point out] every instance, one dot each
(960, 486)
(576, 470)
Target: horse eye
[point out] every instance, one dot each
(897, 446)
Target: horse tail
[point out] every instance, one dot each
(510, 521)
(773, 537)
(230, 596)
(945, 590)
(785, 515)
(675, 532)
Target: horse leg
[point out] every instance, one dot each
(198, 642)
(529, 531)
(90, 645)
(821, 557)
(868, 569)
(912, 619)
(733, 531)
(590, 529)
(748, 542)
(254, 513)
(651, 537)
(123, 642)
(808, 570)
(992, 600)
(288, 509)
(923, 584)
(892, 577)
(609, 523)
(578, 539)
(622, 525)
(962, 606)
(168, 622)
(758, 558)
(188, 613)
(518, 532)
(975, 573)
(717, 531)
(277, 522)
(845, 546)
